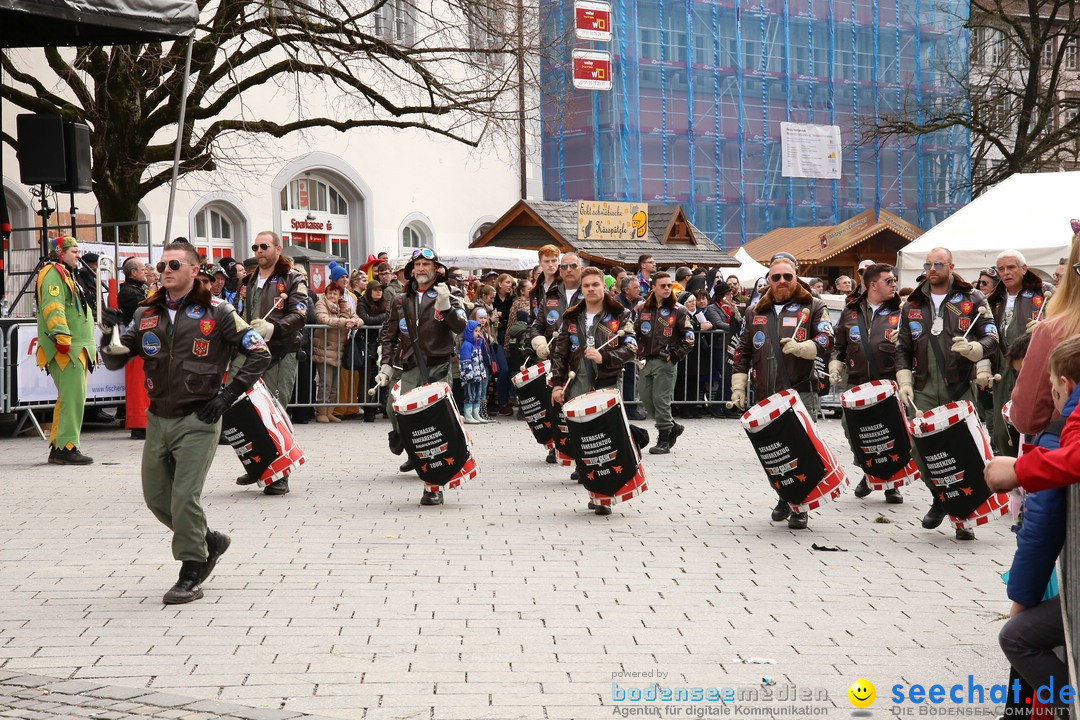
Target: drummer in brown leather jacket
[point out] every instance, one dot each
(548, 301)
(865, 343)
(186, 339)
(782, 336)
(665, 335)
(1016, 301)
(274, 300)
(427, 306)
(947, 336)
(595, 340)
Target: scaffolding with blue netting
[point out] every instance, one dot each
(700, 90)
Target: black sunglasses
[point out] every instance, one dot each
(786, 277)
(173, 265)
(568, 266)
(261, 246)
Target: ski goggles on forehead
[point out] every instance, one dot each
(426, 253)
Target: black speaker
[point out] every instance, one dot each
(77, 152)
(41, 149)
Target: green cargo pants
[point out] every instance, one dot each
(176, 457)
(410, 380)
(656, 387)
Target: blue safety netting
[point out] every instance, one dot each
(700, 90)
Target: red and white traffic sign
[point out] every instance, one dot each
(592, 70)
(592, 20)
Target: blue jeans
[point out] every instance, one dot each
(502, 375)
(475, 390)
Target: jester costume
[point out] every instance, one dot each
(66, 350)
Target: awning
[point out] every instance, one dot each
(36, 23)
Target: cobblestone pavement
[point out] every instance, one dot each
(346, 599)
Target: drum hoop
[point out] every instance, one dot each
(942, 417)
(776, 404)
(597, 403)
(429, 394)
(859, 396)
(531, 373)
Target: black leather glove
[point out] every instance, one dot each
(212, 411)
(110, 318)
(665, 355)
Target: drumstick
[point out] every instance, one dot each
(569, 379)
(279, 302)
(613, 338)
(984, 312)
(1046, 296)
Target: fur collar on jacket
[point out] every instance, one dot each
(801, 295)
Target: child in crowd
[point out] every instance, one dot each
(474, 376)
(1035, 630)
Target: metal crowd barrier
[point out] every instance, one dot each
(353, 384)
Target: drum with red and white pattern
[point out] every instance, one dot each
(955, 450)
(800, 466)
(262, 436)
(534, 398)
(434, 436)
(606, 455)
(879, 434)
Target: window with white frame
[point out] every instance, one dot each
(213, 233)
(484, 25)
(394, 22)
(1070, 54)
(1047, 60)
(411, 237)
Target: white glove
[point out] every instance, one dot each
(892, 335)
(263, 327)
(1031, 325)
(807, 349)
(739, 382)
(383, 378)
(836, 372)
(641, 364)
(442, 297)
(906, 382)
(540, 347)
(965, 348)
(983, 377)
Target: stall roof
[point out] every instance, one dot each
(808, 247)
(36, 23)
(534, 223)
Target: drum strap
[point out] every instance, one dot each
(774, 345)
(868, 348)
(418, 353)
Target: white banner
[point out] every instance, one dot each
(810, 151)
(35, 386)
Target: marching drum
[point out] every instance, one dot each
(262, 436)
(434, 437)
(534, 397)
(608, 459)
(955, 448)
(879, 434)
(1006, 413)
(800, 467)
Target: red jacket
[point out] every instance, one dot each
(1042, 469)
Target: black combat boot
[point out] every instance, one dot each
(676, 431)
(663, 443)
(188, 587)
(432, 498)
(781, 511)
(797, 521)
(863, 488)
(933, 516)
(63, 456)
(216, 545)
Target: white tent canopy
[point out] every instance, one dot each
(749, 269)
(489, 258)
(1028, 212)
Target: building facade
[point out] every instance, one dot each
(700, 90)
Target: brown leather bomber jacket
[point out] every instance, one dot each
(569, 347)
(436, 329)
(186, 360)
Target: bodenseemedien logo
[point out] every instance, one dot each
(862, 693)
